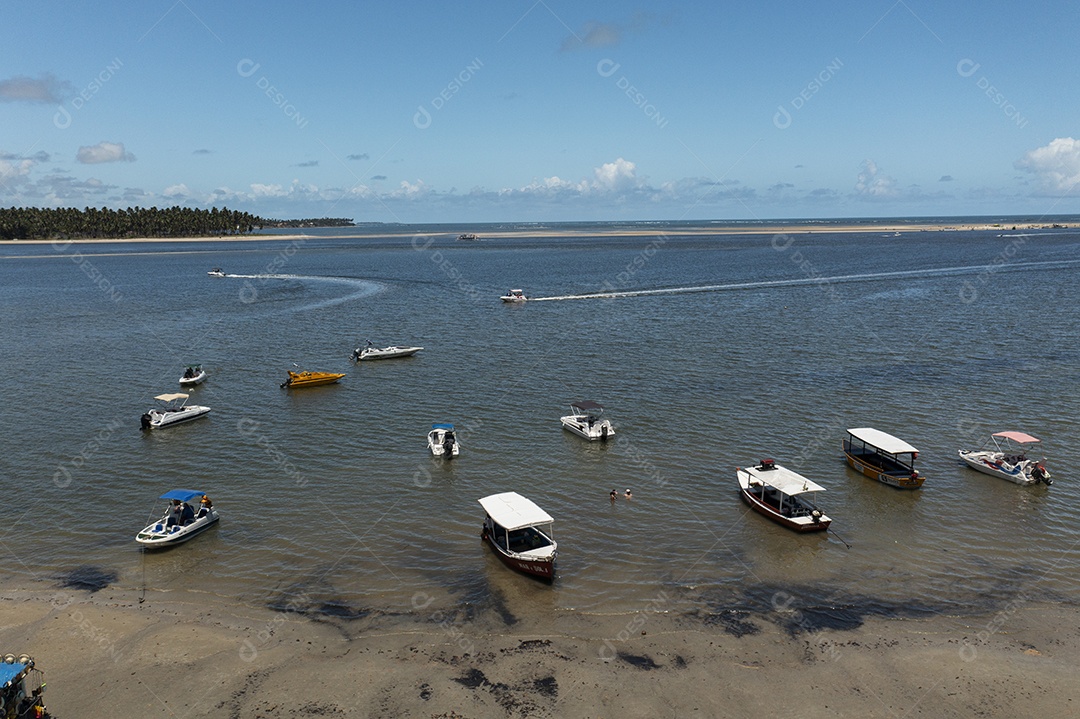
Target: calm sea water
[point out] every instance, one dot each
(769, 346)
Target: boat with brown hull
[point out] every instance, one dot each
(519, 533)
(784, 496)
(881, 456)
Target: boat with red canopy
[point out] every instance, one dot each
(1008, 459)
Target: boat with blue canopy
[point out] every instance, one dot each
(180, 521)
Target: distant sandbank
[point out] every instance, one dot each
(703, 230)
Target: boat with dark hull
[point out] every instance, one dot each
(520, 534)
(784, 496)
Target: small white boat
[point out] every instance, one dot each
(520, 534)
(1008, 459)
(467, 236)
(374, 353)
(193, 375)
(585, 421)
(216, 272)
(181, 521)
(175, 410)
(783, 496)
(443, 442)
(514, 296)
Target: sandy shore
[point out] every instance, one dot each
(107, 655)
(544, 232)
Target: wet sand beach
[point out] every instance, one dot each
(105, 654)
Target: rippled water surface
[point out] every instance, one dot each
(757, 346)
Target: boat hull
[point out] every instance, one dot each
(312, 379)
(597, 431)
(540, 568)
(155, 419)
(885, 476)
(984, 462)
(151, 538)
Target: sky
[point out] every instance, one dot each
(543, 110)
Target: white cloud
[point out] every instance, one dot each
(104, 152)
(617, 176)
(873, 184)
(1056, 166)
(45, 89)
(180, 190)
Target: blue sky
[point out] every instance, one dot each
(543, 110)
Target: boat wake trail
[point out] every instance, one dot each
(364, 288)
(837, 279)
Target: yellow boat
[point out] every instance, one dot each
(310, 379)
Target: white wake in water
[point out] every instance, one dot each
(836, 279)
(365, 288)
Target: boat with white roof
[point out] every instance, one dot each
(879, 455)
(784, 496)
(520, 534)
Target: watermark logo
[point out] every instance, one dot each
(607, 68)
(967, 68)
(247, 68)
(782, 119)
(422, 119)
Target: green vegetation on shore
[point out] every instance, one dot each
(313, 222)
(34, 223)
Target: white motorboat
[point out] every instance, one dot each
(181, 521)
(174, 411)
(216, 272)
(585, 421)
(514, 296)
(193, 375)
(1008, 459)
(782, 495)
(443, 442)
(374, 353)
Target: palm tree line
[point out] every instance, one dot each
(69, 223)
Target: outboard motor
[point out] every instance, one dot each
(146, 421)
(603, 432)
(1039, 473)
(448, 445)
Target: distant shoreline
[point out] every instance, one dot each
(704, 230)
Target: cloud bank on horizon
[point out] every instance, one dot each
(544, 112)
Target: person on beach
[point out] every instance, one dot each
(613, 496)
(628, 495)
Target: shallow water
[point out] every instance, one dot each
(725, 349)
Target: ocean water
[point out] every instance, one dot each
(717, 351)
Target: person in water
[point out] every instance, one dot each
(628, 495)
(613, 496)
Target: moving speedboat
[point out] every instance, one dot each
(174, 411)
(514, 296)
(374, 353)
(1008, 459)
(520, 534)
(881, 456)
(310, 379)
(193, 375)
(467, 236)
(216, 272)
(783, 496)
(181, 521)
(585, 421)
(442, 441)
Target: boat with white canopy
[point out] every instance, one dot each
(1008, 459)
(174, 411)
(881, 456)
(520, 534)
(784, 496)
